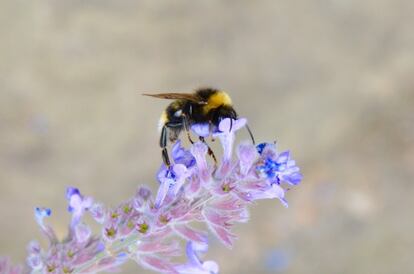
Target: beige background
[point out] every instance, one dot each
(330, 79)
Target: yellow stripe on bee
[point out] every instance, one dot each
(216, 100)
(163, 120)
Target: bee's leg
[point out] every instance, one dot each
(211, 129)
(175, 128)
(163, 145)
(251, 134)
(187, 128)
(209, 151)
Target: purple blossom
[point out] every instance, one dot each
(194, 264)
(98, 211)
(226, 133)
(170, 179)
(146, 227)
(199, 150)
(7, 268)
(182, 155)
(40, 214)
(202, 130)
(77, 204)
(247, 156)
(278, 167)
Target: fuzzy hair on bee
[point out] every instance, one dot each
(204, 106)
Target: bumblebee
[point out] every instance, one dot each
(205, 105)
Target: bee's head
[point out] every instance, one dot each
(222, 112)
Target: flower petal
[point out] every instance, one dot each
(190, 234)
(247, 156)
(163, 191)
(82, 233)
(40, 214)
(181, 155)
(199, 150)
(202, 130)
(157, 264)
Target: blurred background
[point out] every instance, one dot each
(331, 80)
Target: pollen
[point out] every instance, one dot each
(110, 232)
(143, 228)
(114, 215)
(51, 268)
(164, 219)
(67, 270)
(70, 254)
(127, 209)
(226, 188)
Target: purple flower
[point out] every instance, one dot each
(266, 148)
(189, 233)
(7, 268)
(170, 181)
(34, 261)
(147, 229)
(98, 211)
(199, 150)
(142, 198)
(226, 133)
(194, 264)
(280, 168)
(33, 247)
(182, 155)
(34, 258)
(82, 233)
(202, 130)
(77, 204)
(220, 222)
(271, 191)
(40, 214)
(247, 156)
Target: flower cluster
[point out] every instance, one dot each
(148, 228)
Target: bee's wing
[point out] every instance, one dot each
(180, 96)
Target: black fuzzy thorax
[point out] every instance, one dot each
(195, 112)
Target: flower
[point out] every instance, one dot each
(7, 268)
(182, 155)
(98, 211)
(146, 228)
(194, 264)
(226, 133)
(247, 156)
(40, 214)
(170, 179)
(82, 233)
(77, 204)
(199, 150)
(279, 167)
(202, 130)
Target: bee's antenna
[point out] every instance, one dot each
(251, 134)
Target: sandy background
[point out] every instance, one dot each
(330, 79)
